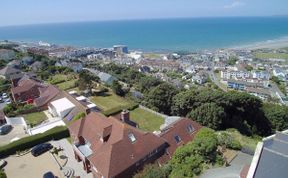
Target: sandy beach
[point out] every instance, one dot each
(272, 44)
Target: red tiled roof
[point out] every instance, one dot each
(46, 95)
(178, 128)
(25, 86)
(117, 154)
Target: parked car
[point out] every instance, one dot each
(5, 129)
(49, 175)
(41, 148)
(3, 163)
(4, 95)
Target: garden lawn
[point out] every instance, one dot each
(146, 120)
(109, 101)
(67, 85)
(35, 118)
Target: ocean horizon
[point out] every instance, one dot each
(180, 34)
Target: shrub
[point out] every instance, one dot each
(78, 116)
(28, 142)
(227, 140)
(118, 109)
(2, 174)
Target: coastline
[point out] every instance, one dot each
(272, 44)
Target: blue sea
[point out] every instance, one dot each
(187, 34)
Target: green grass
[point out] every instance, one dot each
(152, 55)
(109, 101)
(146, 120)
(35, 118)
(248, 142)
(271, 55)
(67, 85)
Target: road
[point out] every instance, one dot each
(216, 81)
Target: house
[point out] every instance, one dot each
(263, 75)
(200, 78)
(271, 157)
(61, 107)
(22, 76)
(75, 66)
(47, 95)
(26, 89)
(7, 54)
(106, 78)
(15, 63)
(110, 148)
(277, 72)
(36, 66)
(27, 60)
(234, 74)
(2, 118)
(176, 134)
(242, 85)
(7, 71)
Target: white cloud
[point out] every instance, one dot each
(234, 5)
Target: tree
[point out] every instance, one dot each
(189, 159)
(160, 98)
(146, 83)
(117, 88)
(151, 171)
(86, 79)
(277, 115)
(208, 114)
(184, 102)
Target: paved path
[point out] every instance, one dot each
(72, 163)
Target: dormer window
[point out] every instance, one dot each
(177, 138)
(190, 129)
(132, 137)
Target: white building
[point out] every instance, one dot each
(61, 108)
(234, 74)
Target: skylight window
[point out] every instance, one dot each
(190, 129)
(132, 137)
(177, 138)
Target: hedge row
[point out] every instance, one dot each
(118, 109)
(25, 143)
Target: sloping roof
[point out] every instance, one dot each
(9, 70)
(26, 85)
(119, 153)
(104, 77)
(178, 128)
(46, 95)
(273, 160)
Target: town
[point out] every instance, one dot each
(113, 112)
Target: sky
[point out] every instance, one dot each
(19, 12)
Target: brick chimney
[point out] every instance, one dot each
(106, 132)
(125, 116)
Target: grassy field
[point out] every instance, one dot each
(245, 141)
(271, 55)
(147, 121)
(109, 101)
(35, 118)
(67, 85)
(152, 55)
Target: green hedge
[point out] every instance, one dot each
(117, 110)
(56, 133)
